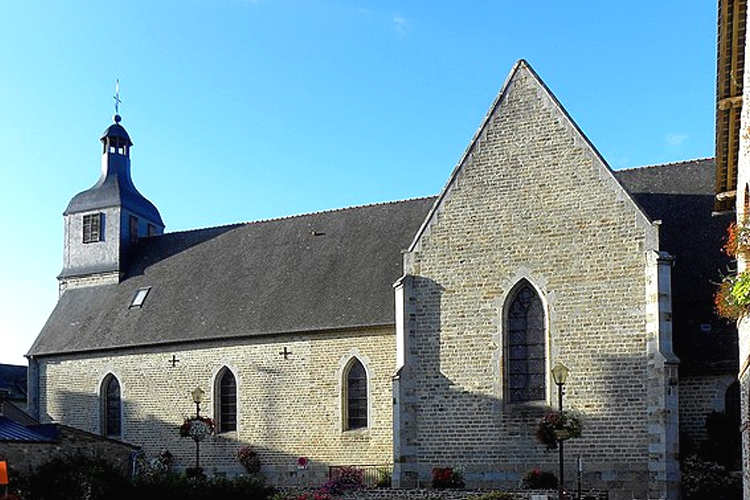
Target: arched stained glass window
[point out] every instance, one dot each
(356, 396)
(526, 348)
(227, 401)
(111, 413)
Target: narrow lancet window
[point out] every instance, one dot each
(111, 407)
(356, 396)
(526, 348)
(227, 411)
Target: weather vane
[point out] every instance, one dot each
(116, 97)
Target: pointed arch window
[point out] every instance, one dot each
(111, 407)
(525, 328)
(356, 396)
(226, 412)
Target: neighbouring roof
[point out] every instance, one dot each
(322, 271)
(13, 431)
(13, 381)
(681, 195)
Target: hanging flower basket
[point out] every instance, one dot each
(197, 428)
(557, 426)
(732, 298)
(738, 239)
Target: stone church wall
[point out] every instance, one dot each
(531, 202)
(699, 396)
(287, 408)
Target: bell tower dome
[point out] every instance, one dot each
(103, 223)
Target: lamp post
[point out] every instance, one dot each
(560, 376)
(197, 399)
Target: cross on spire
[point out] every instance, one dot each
(116, 97)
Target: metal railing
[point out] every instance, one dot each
(373, 476)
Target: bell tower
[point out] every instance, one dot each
(103, 223)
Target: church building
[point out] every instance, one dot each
(415, 334)
(733, 174)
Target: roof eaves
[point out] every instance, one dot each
(207, 340)
(297, 216)
(669, 164)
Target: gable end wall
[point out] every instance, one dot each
(531, 200)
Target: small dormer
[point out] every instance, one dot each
(103, 223)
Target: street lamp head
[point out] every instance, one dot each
(560, 373)
(197, 395)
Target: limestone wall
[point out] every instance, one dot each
(287, 408)
(532, 201)
(699, 396)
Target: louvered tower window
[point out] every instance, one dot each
(92, 227)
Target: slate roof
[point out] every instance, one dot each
(323, 271)
(334, 270)
(14, 412)
(681, 195)
(115, 186)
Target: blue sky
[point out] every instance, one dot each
(246, 110)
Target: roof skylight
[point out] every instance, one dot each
(140, 296)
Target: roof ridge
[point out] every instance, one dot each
(296, 216)
(668, 164)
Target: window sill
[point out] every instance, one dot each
(527, 407)
(226, 435)
(356, 434)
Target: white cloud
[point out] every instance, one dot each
(676, 140)
(400, 24)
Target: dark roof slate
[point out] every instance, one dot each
(323, 271)
(115, 186)
(114, 189)
(681, 195)
(116, 130)
(334, 270)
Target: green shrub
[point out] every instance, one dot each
(73, 477)
(181, 487)
(80, 476)
(495, 495)
(384, 478)
(702, 480)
